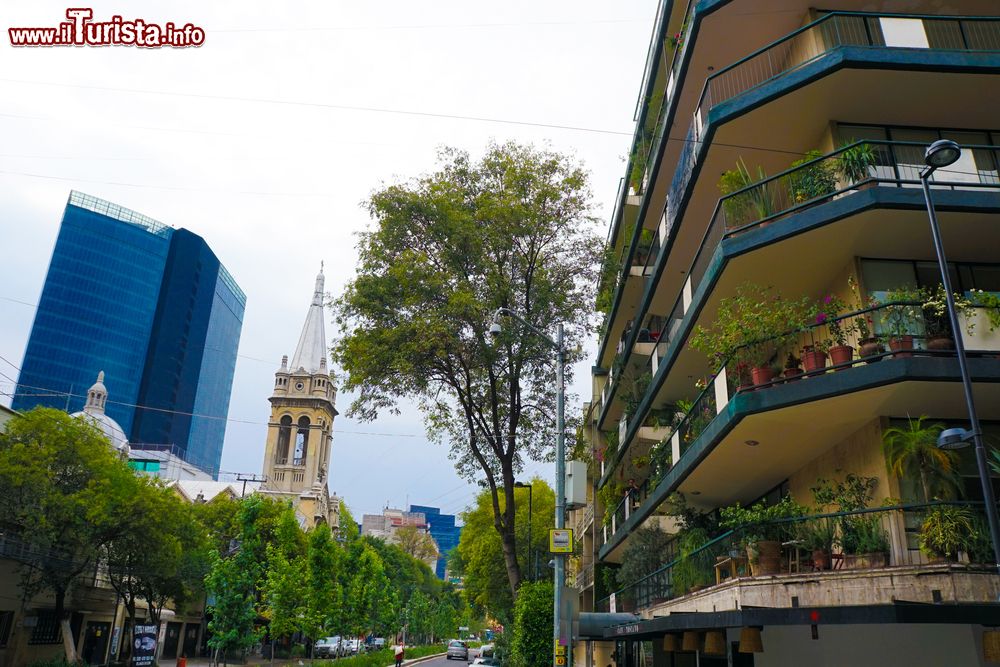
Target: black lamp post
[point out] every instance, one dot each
(523, 485)
(943, 153)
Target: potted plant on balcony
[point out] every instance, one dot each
(793, 367)
(945, 530)
(869, 343)
(761, 531)
(864, 541)
(752, 203)
(813, 178)
(827, 311)
(692, 571)
(937, 326)
(900, 318)
(912, 451)
(818, 536)
(855, 163)
(814, 354)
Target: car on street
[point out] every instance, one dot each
(488, 661)
(377, 643)
(486, 650)
(328, 647)
(352, 646)
(458, 649)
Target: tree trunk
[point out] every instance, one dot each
(506, 527)
(67, 631)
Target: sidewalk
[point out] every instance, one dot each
(279, 662)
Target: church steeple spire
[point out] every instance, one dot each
(310, 353)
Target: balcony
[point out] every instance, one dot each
(817, 204)
(718, 575)
(708, 452)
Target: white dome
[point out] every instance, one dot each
(109, 427)
(93, 412)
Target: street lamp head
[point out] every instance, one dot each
(954, 438)
(942, 153)
(495, 329)
(521, 485)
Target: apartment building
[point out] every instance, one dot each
(774, 328)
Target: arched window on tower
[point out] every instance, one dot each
(301, 442)
(284, 437)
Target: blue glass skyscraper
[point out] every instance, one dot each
(444, 531)
(153, 308)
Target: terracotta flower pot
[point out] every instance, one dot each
(813, 360)
(900, 345)
(870, 347)
(941, 343)
(762, 374)
(792, 374)
(821, 559)
(768, 557)
(841, 354)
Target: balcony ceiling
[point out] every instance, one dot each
(789, 438)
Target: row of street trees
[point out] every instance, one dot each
(75, 510)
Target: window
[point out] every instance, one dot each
(46, 630)
(144, 465)
(301, 442)
(284, 437)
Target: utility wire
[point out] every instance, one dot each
(317, 105)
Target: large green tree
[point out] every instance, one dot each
(512, 229)
(283, 595)
(370, 596)
(323, 613)
(65, 495)
(531, 639)
(479, 554)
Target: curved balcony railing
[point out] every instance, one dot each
(855, 166)
(725, 557)
(896, 329)
(832, 31)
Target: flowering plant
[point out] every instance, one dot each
(827, 310)
(935, 307)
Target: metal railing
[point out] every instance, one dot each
(832, 31)
(812, 183)
(865, 539)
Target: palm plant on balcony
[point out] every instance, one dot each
(855, 163)
(747, 198)
(912, 451)
(946, 530)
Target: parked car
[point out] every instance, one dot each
(352, 646)
(487, 661)
(458, 649)
(328, 647)
(486, 650)
(377, 643)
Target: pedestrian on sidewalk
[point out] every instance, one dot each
(398, 650)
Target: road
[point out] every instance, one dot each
(444, 662)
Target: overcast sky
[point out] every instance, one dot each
(265, 140)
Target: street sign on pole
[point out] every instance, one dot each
(561, 540)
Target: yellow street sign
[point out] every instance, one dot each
(560, 541)
(560, 650)
(560, 660)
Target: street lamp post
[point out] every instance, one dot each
(560, 559)
(940, 154)
(524, 485)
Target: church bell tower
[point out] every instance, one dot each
(300, 431)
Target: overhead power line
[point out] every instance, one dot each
(316, 105)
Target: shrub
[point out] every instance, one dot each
(531, 642)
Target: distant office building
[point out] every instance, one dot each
(384, 525)
(153, 308)
(444, 531)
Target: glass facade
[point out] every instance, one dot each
(444, 531)
(154, 309)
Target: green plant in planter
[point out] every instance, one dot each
(817, 534)
(991, 303)
(945, 531)
(859, 533)
(756, 321)
(901, 318)
(610, 495)
(640, 462)
(814, 178)
(753, 202)
(979, 546)
(826, 310)
(660, 459)
(855, 163)
(761, 522)
(633, 388)
(912, 451)
(693, 568)
(935, 308)
(863, 534)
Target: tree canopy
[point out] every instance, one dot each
(511, 230)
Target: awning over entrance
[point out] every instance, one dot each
(595, 625)
(901, 612)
